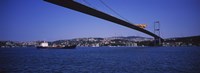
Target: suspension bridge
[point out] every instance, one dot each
(71, 4)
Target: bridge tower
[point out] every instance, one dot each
(157, 41)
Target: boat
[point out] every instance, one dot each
(45, 45)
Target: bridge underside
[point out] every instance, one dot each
(90, 11)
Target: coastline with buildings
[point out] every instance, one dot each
(130, 41)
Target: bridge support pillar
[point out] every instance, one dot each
(157, 42)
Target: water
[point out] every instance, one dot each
(101, 60)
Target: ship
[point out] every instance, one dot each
(44, 45)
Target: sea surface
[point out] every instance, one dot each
(101, 60)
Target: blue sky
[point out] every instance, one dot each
(29, 20)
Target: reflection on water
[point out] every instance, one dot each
(101, 60)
